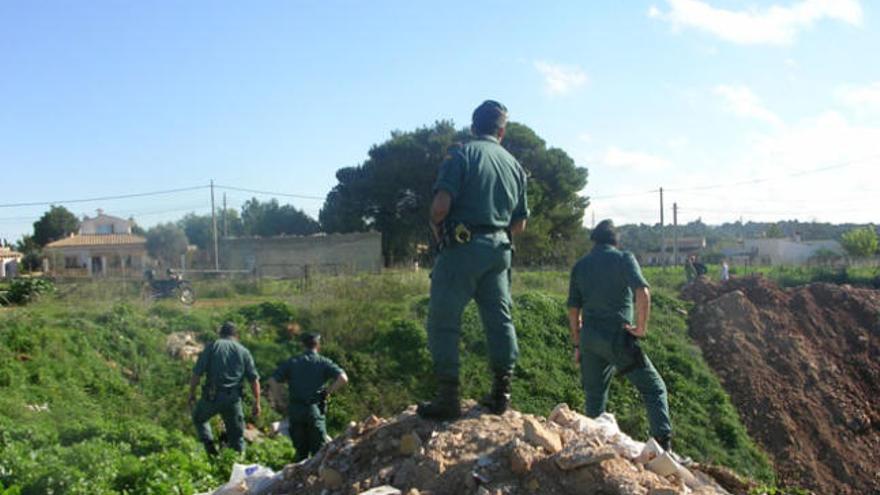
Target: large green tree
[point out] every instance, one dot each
(266, 219)
(55, 224)
(391, 192)
(166, 242)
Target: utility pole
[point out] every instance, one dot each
(662, 232)
(225, 224)
(214, 228)
(675, 234)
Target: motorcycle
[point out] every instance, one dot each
(174, 287)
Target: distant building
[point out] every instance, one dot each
(686, 247)
(298, 256)
(791, 251)
(104, 246)
(9, 261)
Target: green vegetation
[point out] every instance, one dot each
(115, 418)
(860, 243)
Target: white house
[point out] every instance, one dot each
(103, 246)
(788, 251)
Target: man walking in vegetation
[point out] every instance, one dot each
(600, 315)
(479, 203)
(307, 376)
(226, 364)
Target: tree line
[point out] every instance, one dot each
(390, 192)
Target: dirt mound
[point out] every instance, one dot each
(487, 454)
(803, 368)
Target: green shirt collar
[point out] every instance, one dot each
(489, 137)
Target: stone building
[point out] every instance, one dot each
(104, 246)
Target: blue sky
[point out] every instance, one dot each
(103, 98)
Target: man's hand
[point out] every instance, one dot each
(634, 330)
(257, 410)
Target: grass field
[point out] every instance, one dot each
(116, 421)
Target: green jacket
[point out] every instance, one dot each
(486, 183)
(226, 364)
(306, 375)
(601, 286)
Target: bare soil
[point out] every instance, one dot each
(803, 368)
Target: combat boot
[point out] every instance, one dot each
(445, 405)
(498, 399)
(210, 448)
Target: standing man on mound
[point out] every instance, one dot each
(600, 316)
(226, 364)
(479, 204)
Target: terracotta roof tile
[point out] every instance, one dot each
(98, 240)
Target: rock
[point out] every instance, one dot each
(382, 490)
(540, 436)
(663, 491)
(580, 455)
(522, 456)
(331, 478)
(410, 444)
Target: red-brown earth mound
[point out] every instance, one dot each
(803, 368)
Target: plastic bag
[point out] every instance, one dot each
(250, 479)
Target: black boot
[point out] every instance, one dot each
(665, 442)
(446, 404)
(498, 399)
(210, 448)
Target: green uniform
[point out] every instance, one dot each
(226, 364)
(690, 272)
(488, 190)
(306, 375)
(601, 287)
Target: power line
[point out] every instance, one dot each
(104, 198)
(625, 195)
(800, 173)
(270, 193)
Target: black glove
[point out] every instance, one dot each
(322, 400)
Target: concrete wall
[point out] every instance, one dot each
(786, 251)
(292, 257)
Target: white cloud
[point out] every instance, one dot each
(773, 25)
(633, 160)
(741, 101)
(560, 79)
(585, 137)
(861, 98)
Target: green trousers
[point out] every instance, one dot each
(308, 430)
(608, 348)
(228, 406)
(478, 270)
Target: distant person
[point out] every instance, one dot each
(479, 204)
(307, 376)
(226, 365)
(700, 267)
(690, 270)
(605, 341)
(725, 271)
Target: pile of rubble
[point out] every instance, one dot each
(183, 345)
(487, 454)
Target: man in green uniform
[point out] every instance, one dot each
(226, 364)
(479, 203)
(600, 315)
(306, 376)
